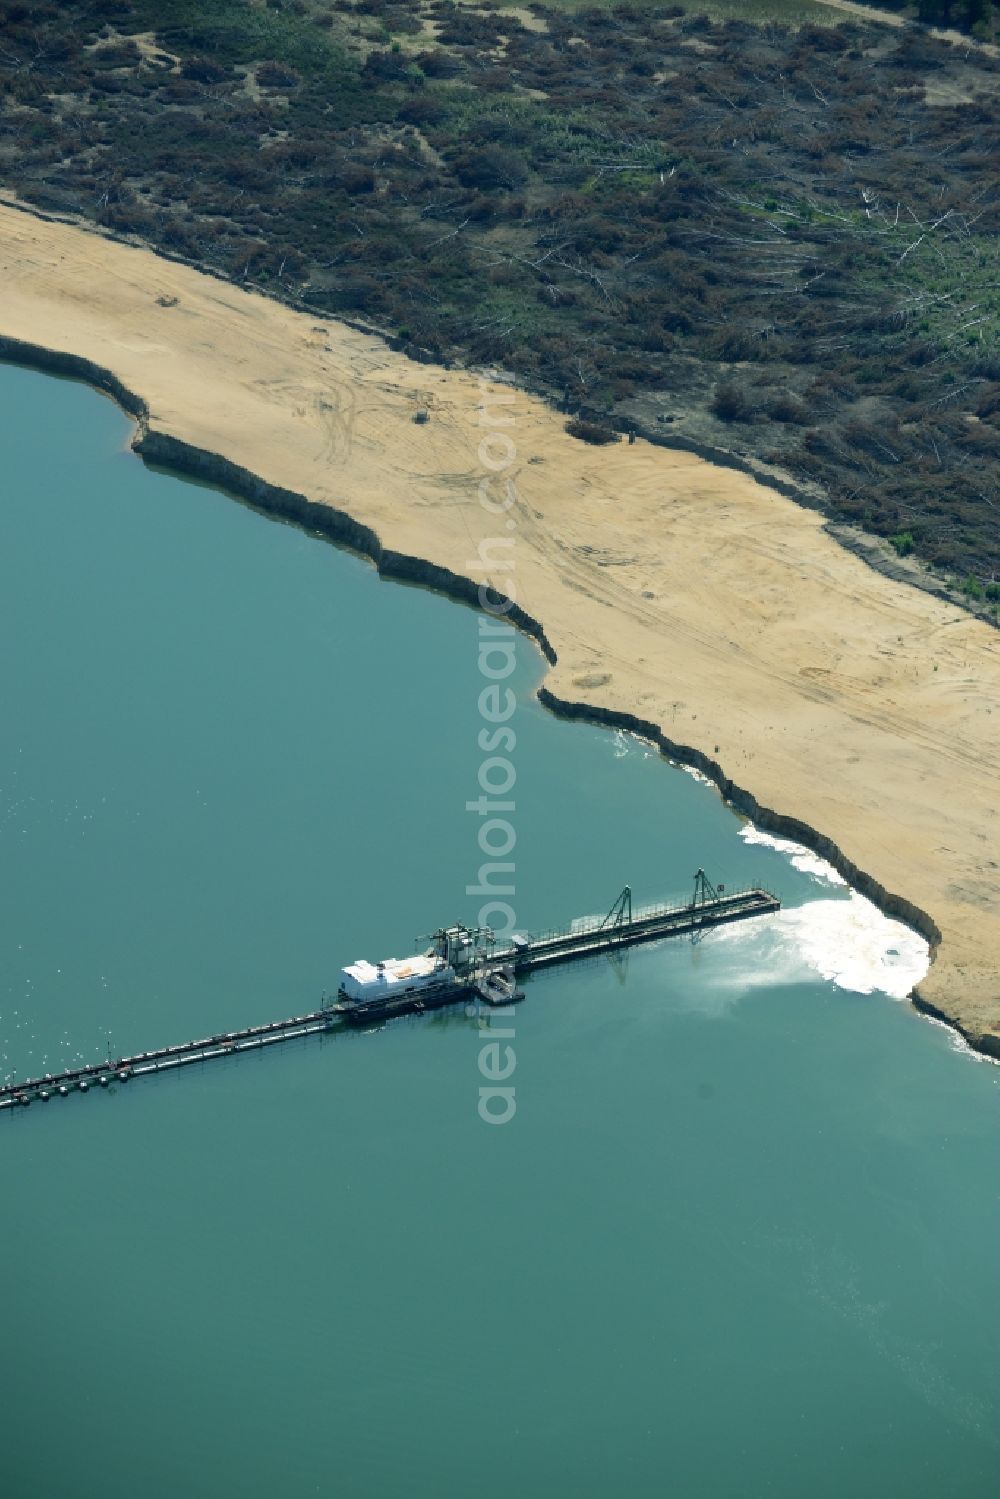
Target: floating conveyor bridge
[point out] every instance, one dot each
(622, 927)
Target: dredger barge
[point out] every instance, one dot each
(460, 964)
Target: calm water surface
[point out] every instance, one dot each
(741, 1236)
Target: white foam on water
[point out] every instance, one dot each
(851, 943)
(848, 942)
(959, 1043)
(801, 857)
(623, 743)
(586, 923)
(697, 775)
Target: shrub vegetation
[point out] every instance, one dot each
(781, 239)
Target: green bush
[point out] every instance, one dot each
(729, 403)
(591, 432)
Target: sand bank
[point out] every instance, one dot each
(672, 596)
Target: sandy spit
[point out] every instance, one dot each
(672, 596)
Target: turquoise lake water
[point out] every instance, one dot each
(740, 1237)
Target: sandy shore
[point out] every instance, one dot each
(688, 600)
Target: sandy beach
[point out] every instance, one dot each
(678, 597)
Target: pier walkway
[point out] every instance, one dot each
(168, 1058)
(586, 940)
(711, 906)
